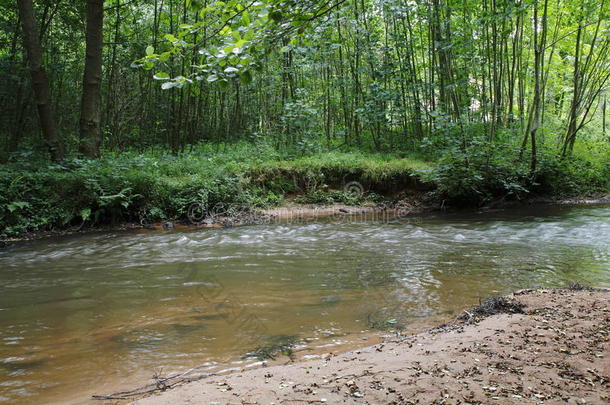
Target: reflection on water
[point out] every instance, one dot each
(79, 315)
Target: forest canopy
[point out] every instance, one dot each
(302, 74)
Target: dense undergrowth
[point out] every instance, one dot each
(158, 186)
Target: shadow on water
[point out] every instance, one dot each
(140, 339)
(185, 329)
(152, 338)
(213, 317)
(273, 347)
(22, 365)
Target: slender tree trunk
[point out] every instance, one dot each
(604, 120)
(112, 116)
(576, 98)
(40, 81)
(90, 129)
(540, 32)
(591, 73)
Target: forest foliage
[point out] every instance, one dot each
(495, 97)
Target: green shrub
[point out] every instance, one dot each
(158, 186)
(484, 173)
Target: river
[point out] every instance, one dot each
(101, 312)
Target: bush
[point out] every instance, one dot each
(157, 186)
(479, 175)
(572, 176)
(486, 172)
(39, 196)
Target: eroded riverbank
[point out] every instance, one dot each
(557, 350)
(291, 212)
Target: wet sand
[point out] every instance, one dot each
(556, 351)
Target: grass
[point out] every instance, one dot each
(158, 186)
(154, 186)
(375, 167)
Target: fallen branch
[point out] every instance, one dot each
(160, 384)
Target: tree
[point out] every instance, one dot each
(40, 81)
(591, 74)
(383, 74)
(90, 116)
(539, 28)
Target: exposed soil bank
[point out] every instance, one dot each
(556, 351)
(295, 212)
(288, 212)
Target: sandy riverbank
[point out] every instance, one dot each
(556, 351)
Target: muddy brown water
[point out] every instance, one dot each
(103, 312)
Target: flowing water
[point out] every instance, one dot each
(91, 314)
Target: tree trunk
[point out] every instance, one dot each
(604, 120)
(576, 97)
(90, 130)
(40, 81)
(539, 43)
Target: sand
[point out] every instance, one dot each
(556, 352)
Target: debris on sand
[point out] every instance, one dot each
(576, 286)
(493, 306)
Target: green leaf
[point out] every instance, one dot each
(246, 77)
(17, 205)
(276, 15)
(150, 50)
(170, 38)
(245, 18)
(161, 76)
(85, 213)
(168, 85)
